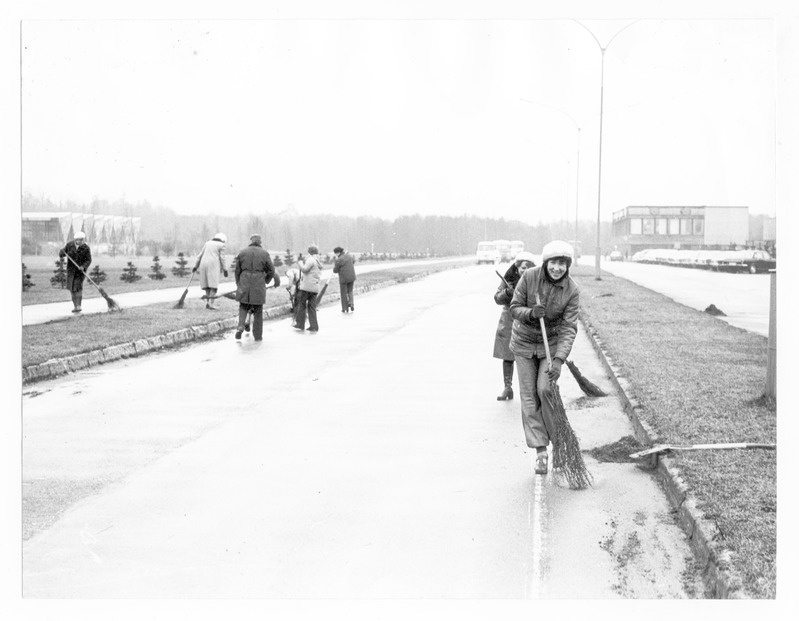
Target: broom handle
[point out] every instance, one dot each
(190, 279)
(81, 271)
(544, 332)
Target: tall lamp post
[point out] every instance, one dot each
(602, 50)
(579, 128)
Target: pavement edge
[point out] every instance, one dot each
(720, 579)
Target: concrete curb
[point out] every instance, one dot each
(61, 366)
(720, 579)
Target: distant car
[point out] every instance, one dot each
(616, 256)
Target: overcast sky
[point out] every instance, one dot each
(396, 116)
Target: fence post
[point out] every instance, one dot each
(771, 365)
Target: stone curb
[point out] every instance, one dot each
(719, 577)
(61, 366)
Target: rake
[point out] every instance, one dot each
(566, 455)
(112, 305)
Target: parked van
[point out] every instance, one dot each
(503, 247)
(487, 253)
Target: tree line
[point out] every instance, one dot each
(165, 232)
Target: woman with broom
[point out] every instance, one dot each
(211, 263)
(503, 296)
(546, 292)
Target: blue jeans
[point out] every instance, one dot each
(538, 404)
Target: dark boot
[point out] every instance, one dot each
(507, 375)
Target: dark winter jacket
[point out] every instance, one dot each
(562, 302)
(344, 266)
(503, 298)
(82, 255)
(254, 269)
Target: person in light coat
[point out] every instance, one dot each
(254, 270)
(549, 292)
(310, 276)
(211, 264)
(503, 296)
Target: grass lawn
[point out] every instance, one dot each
(82, 333)
(699, 381)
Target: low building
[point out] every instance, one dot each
(104, 233)
(638, 228)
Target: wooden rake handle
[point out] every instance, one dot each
(544, 332)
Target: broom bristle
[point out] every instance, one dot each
(588, 387)
(112, 305)
(567, 459)
(182, 299)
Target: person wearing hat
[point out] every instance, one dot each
(344, 266)
(503, 296)
(77, 250)
(211, 263)
(254, 270)
(559, 306)
(310, 275)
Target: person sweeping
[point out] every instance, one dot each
(80, 258)
(521, 263)
(559, 306)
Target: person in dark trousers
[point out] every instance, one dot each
(503, 296)
(559, 305)
(77, 250)
(254, 270)
(310, 275)
(344, 266)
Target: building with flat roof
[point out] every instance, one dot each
(637, 228)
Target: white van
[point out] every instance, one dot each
(487, 252)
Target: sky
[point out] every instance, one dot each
(444, 114)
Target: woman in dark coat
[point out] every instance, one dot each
(254, 269)
(503, 296)
(79, 252)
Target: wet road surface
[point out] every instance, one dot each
(370, 460)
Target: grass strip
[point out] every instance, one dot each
(699, 380)
(79, 334)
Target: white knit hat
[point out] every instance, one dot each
(558, 248)
(221, 237)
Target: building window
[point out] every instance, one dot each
(661, 226)
(698, 226)
(685, 226)
(674, 226)
(649, 226)
(635, 226)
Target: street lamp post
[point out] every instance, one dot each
(578, 127)
(602, 50)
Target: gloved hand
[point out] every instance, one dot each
(509, 292)
(539, 311)
(225, 273)
(554, 370)
(194, 270)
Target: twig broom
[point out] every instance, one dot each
(566, 455)
(182, 299)
(586, 385)
(112, 306)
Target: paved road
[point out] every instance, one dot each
(370, 460)
(42, 313)
(743, 297)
